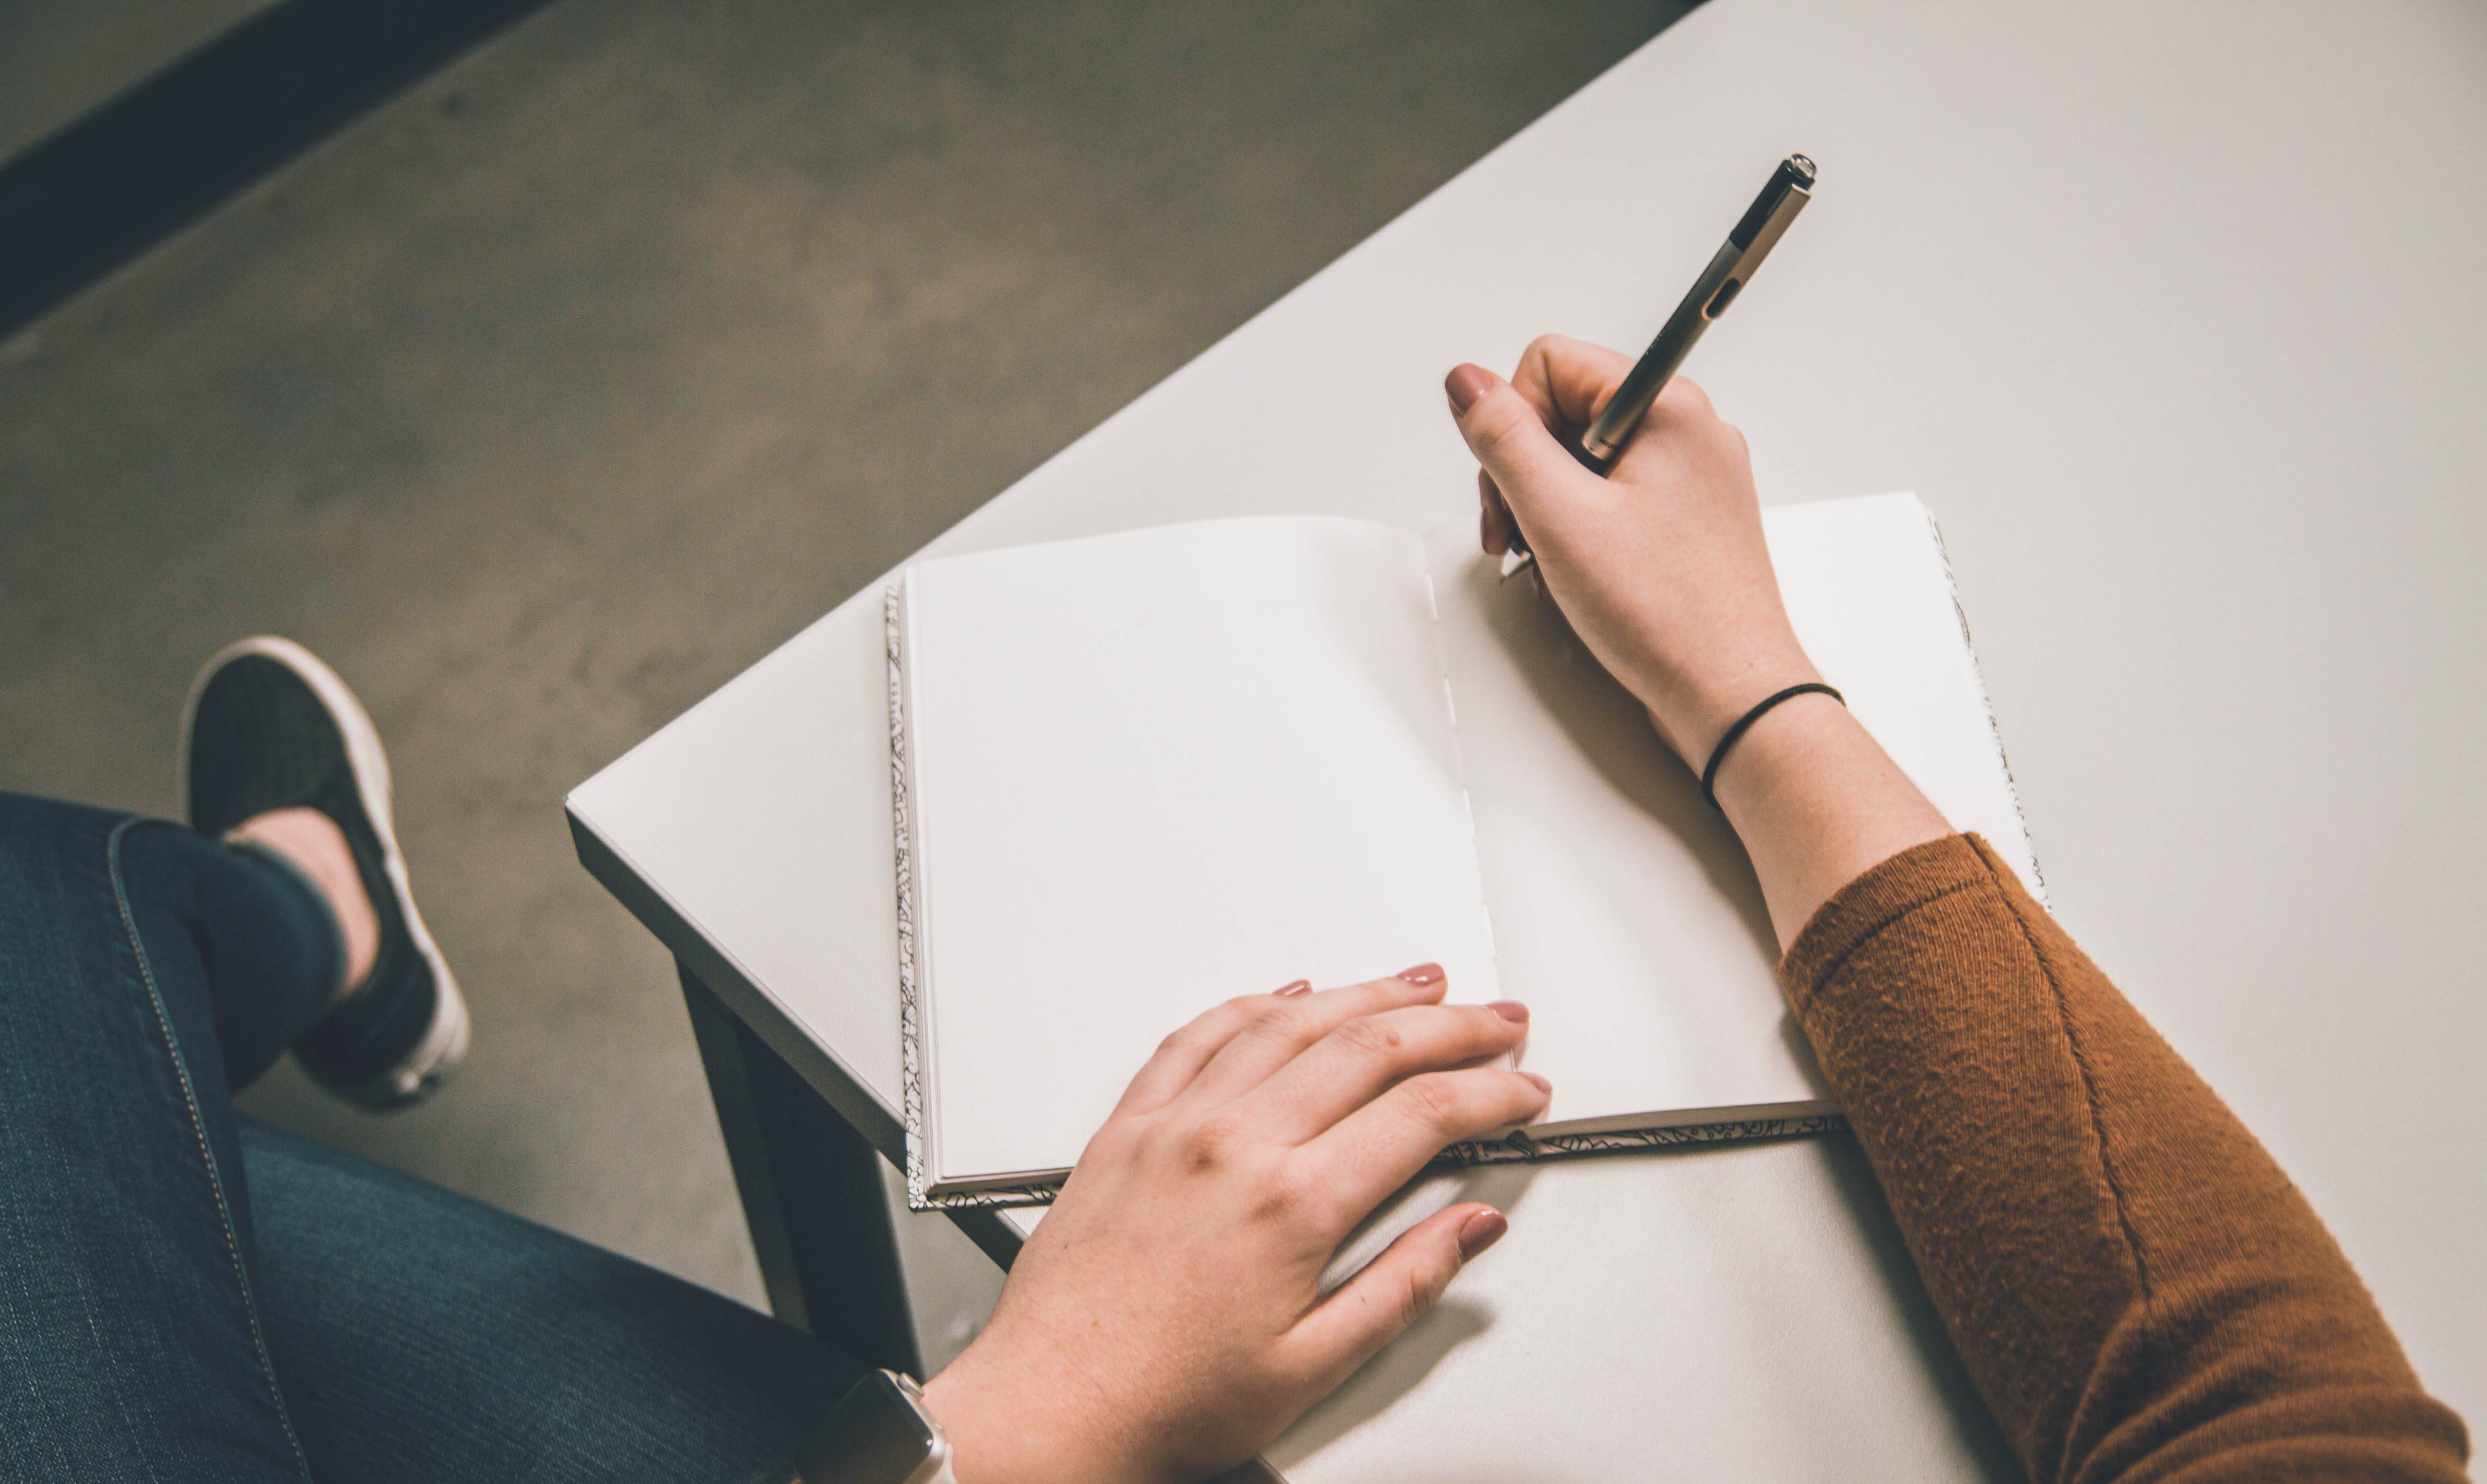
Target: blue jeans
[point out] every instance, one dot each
(186, 1294)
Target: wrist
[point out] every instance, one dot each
(996, 1438)
(975, 1458)
(1817, 802)
(1697, 712)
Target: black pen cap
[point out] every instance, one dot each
(1795, 172)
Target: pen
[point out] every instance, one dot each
(1790, 187)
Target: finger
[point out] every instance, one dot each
(1382, 1145)
(1179, 1057)
(1528, 467)
(1569, 381)
(1272, 1038)
(1682, 409)
(1494, 518)
(1367, 1057)
(1374, 1307)
(1682, 395)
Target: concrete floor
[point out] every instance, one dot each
(559, 391)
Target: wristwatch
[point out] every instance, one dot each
(879, 1432)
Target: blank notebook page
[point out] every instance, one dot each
(1154, 770)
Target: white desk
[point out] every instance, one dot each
(2175, 312)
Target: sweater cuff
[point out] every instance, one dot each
(1879, 897)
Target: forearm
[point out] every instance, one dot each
(2134, 1285)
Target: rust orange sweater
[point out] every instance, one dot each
(2139, 1291)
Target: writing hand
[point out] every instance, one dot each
(1663, 571)
(1661, 565)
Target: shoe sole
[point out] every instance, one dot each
(444, 1043)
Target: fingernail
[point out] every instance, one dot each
(1541, 1083)
(1481, 1231)
(1422, 973)
(1298, 987)
(1510, 1010)
(1465, 384)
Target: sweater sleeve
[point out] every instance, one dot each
(2137, 1290)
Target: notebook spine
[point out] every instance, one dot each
(910, 1016)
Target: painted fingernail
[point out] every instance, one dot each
(1540, 1082)
(1465, 384)
(1481, 1231)
(1422, 973)
(1298, 987)
(1510, 1010)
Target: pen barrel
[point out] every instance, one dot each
(1614, 424)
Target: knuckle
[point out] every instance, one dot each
(1421, 1291)
(1286, 1192)
(1412, 1300)
(1431, 1103)
(1210, 1145)
(1371, 1036)
(1282, 1022)
(1490, 424)
(1500, 420)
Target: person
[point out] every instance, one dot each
(2136, 1290)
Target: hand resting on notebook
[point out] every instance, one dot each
(1661, 570)
(1166, 1320)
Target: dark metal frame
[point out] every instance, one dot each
(811, 1192)
(806, 1138)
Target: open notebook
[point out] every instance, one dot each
(1137, 774)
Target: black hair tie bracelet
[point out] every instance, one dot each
(1745, 723)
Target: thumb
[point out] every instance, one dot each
(1370, 1309)
(1510, 439)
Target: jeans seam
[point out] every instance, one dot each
(199, 1130)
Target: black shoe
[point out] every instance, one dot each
(269, 727)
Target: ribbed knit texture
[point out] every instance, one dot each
(2137, 1290)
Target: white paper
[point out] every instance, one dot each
(1155, 771)
(1870, 594)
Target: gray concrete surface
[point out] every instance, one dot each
(59, 60)
(575, 379)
